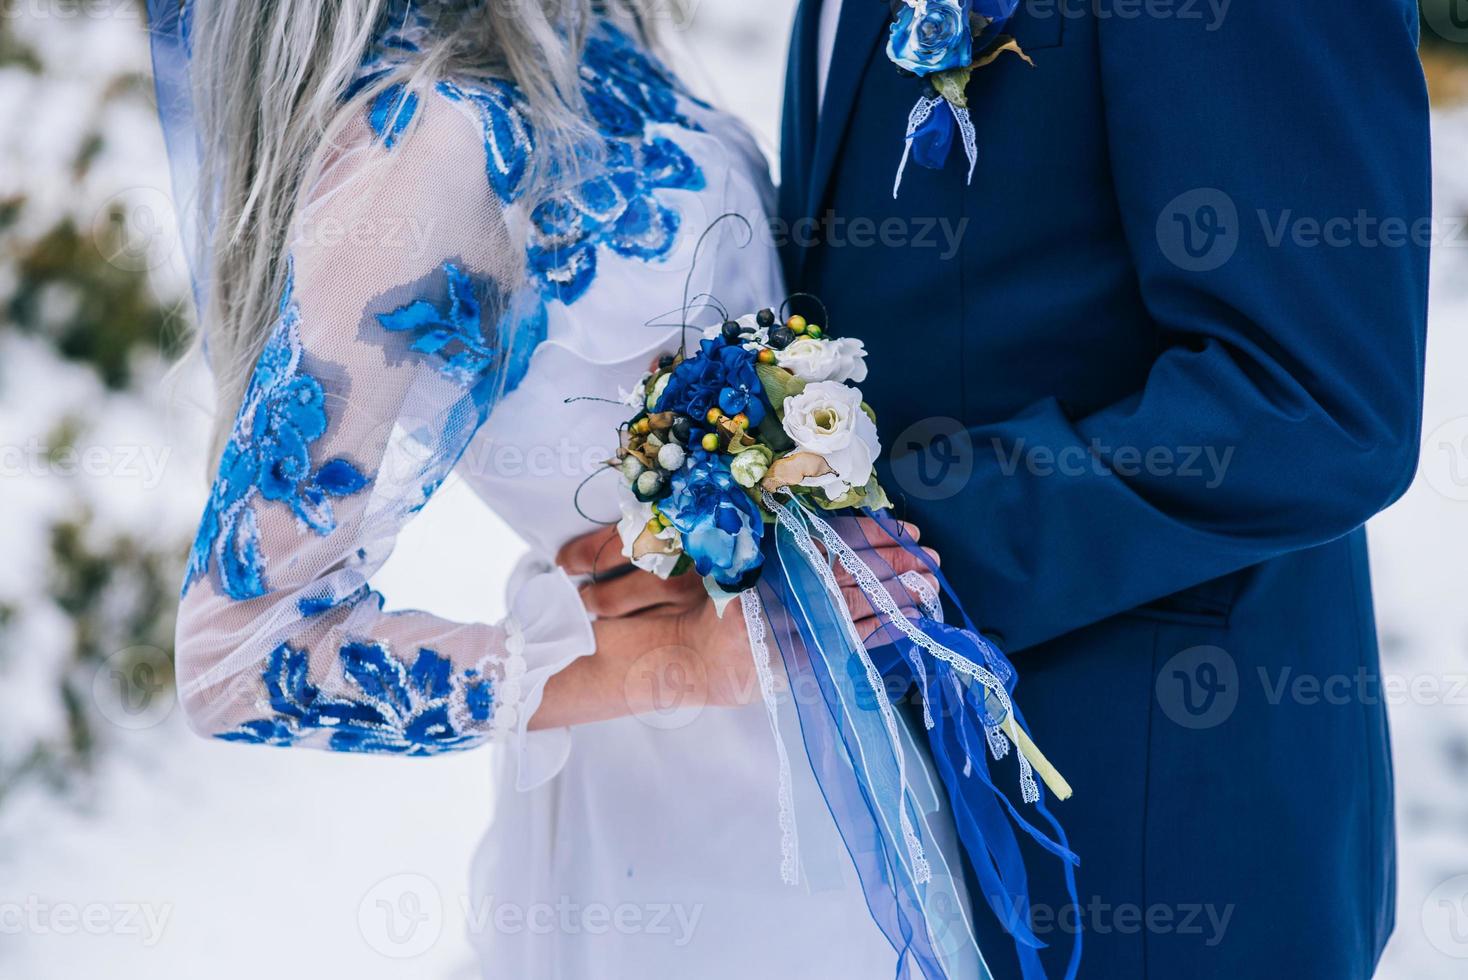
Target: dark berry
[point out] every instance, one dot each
(665, 362)
(765, 318)
(781, 337)
(732, 331)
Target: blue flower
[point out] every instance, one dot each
(720, 524)
(400, 709)
(720, 375)
(938, 40)
(268, 456)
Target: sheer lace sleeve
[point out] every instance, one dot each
(406, 316)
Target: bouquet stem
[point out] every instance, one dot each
(1054, 781)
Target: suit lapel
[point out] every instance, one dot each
(863, 23)
(798, 132)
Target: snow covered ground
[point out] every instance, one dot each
(182, 858)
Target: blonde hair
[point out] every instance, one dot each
(270, 84)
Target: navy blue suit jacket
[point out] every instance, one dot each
(1143, 399)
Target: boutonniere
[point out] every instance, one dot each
(944, 42)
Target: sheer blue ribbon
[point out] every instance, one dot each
(168, 31)
(858, 764)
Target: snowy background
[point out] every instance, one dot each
(130, 849)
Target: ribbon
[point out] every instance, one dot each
(168, 33)
(879, 786)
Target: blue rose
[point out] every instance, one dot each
(719, 523)
(721, 375)
(932, 37)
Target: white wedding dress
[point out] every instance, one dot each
(435, 323)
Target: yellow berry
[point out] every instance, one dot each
(642, 427)
(741, 420)
(714, 416)
(767, 356)
(796, 324)
(813, 331)
(711, 442)
(654, 526)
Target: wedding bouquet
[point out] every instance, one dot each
(746, 462)
(759, 409)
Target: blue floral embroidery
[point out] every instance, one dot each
(455, 334)
(399, 709)
(458, 336)
(509, 138)
(627, 94)
(618, 209)
(391, 112)
(268, 457)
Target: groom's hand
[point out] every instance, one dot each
(890, 562)
(618, 588)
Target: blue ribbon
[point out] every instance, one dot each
(854, 761)
(168, 32)
(933, 140)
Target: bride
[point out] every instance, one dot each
(436, 235)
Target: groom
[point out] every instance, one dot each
(1142, 410)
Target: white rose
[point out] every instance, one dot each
(826, 419)
(635, 515)
(843, 359)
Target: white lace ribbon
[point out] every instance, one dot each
(754, 622)
(921, 870)
(919, 115)
(924, 108)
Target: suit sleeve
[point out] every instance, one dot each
(1273, 176)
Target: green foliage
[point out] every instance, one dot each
(119, 598)
(15, 53)
(110, 311)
